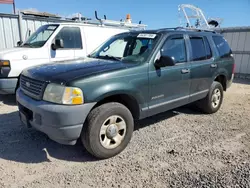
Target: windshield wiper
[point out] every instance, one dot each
(113, 57)
(28, 44)
(109, 57)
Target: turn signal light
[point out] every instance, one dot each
(4, 63)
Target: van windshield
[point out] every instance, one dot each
(135, 47)
(40, 36)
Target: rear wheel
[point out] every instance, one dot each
(213, 100)
(108, 130)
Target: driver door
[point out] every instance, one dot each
(69, 35)
(169, 86)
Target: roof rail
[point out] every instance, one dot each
(199, 29)
(113, 23)
(189, 29)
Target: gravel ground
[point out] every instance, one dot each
(180, 148)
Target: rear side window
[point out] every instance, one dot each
(198, 49)
(222, 46)
(175, 47)
(71, 37)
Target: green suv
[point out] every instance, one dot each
(133, 75)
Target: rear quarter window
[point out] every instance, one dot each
(222, 46)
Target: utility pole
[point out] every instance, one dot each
(14, 7)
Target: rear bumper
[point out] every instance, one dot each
(8, 85)
(61, 123)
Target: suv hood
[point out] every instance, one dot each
(65, 71)
(17, 53)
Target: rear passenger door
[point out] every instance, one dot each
(203, 66)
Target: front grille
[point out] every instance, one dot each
(31, 87)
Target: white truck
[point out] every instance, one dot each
(56, 42)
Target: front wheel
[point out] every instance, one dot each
(213, 100)
(108, 130)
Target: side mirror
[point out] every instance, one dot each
(19, 43)
(164, 61)
(58, 44)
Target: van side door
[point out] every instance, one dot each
(203, 66)
(70, 37)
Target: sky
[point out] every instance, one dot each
(154, 13)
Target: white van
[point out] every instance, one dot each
(50, 43)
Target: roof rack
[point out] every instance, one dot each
(112, 23)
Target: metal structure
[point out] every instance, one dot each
(239, 40)
(194, 17)
(14, 28)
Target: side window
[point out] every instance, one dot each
(175, 47)
(198, 49)
(222, 46)
(71, 37)
(208, 48)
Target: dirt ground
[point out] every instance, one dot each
(180, 148)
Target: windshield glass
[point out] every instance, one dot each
(127, 47)
(40, 37)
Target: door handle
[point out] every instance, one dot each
(185, 71)
(213, 65)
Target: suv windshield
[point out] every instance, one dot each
(127, 47)
(40, 37)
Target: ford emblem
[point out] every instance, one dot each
(27, 84)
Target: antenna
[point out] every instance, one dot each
(195, 18)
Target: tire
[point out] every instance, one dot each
(103, 118)
(17, 85)
(207, 104)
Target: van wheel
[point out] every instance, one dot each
(213, 100)
(108, 130)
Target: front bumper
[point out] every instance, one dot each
(62, 123)
(8, 85)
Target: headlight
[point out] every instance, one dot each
(62, 94)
